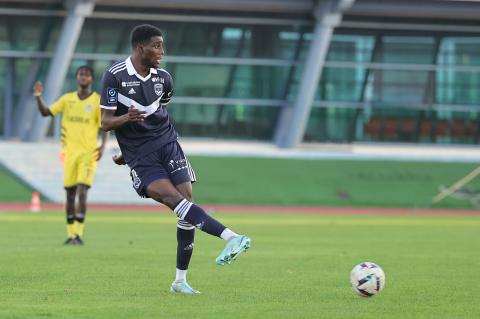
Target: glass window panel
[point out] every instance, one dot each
(230, 42)
(392, 125)
(52, 33)
(399, 86)
(4, 40)
(460, 51)
(294, 84)
(457, 87)
(199, 80)
(288, 41)
(188, 39)
(453, 87)
(195, 41)
(329, 125)
(242, 81)
(30, 31)
(341, 84)
(352, 48)
(403, 49)
(307, 40)
(85, 41)
(224, 121)
(102, 36)
(22, 69)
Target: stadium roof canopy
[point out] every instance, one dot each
(436, 11)
(457, 16)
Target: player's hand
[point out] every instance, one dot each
(99, 152)
(118, 159)
(38, 88)
(134, 115)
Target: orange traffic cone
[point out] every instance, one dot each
(35, 205)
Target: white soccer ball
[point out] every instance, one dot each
(367, 279)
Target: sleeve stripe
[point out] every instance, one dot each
(108, 107)
(118, 70)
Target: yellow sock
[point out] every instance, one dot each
(70, 230)
(79, 228)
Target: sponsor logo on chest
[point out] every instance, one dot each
(157, 79)
(130, 84)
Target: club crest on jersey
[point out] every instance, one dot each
(88, 108)
(158, 89)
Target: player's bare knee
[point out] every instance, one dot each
(171, 200)
(188, 196)
(186, 190)
(82, 194)
(71, 198)
(71, 193)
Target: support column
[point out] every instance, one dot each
(293, 120)
(77, 11)
(9, 96)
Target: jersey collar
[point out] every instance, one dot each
(131, 70)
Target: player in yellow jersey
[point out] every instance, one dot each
(81, 121)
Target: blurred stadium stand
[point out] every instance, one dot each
(394, 71)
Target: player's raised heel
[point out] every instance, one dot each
(233, 249)
(182, 287)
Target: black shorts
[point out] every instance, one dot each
(168, 162)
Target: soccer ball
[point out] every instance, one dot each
(367, 279)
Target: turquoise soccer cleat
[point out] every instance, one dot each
(233, 249)
(182, 287)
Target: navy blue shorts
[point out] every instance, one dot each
(168, 162)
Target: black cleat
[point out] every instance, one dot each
(78, 241)
(70, 241)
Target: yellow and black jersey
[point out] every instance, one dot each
(80, 122)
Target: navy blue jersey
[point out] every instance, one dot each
(124, 87)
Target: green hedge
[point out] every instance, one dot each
(264, 181)
(12, 189)
(326, 182)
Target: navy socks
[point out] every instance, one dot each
(197, 217)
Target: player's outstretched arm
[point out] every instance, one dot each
(111, 122)
(37, 92)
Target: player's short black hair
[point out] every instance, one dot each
(142, 33)
(85, 67)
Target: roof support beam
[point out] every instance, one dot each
(293, 119)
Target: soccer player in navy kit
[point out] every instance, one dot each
(133, 101)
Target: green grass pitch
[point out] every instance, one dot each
(298, 267)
